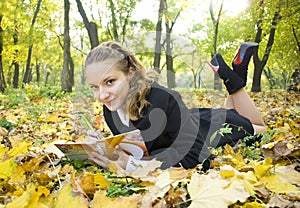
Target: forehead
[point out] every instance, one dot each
(99, 71)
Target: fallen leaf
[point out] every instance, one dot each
(101, 200)
(274, 184)
(209, 192)
(67, 198)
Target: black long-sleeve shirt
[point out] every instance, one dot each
(173, 133)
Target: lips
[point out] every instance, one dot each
(109, 103)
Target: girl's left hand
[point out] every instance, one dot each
(104, 161)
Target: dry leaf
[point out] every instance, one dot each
(209, 192)
(102, 201)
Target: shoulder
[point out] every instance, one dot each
(163, 98)
(159, 92)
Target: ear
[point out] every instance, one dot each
(130, 74)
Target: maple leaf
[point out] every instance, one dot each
(67, 198)
(274, 184)
(210, 192)
(101, 200)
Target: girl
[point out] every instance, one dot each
(177, 136)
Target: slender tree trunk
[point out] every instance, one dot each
(2, 78)
(114, 20)
(158, 46)
(296, 38)
(260, 64)
(169, 59)
(27, 77)
(91, 27)
(37, 71)
(47, 74)
(66, 72)
(217, 80)
(15, 61)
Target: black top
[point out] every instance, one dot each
(175, 134)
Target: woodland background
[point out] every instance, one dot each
(43, 99)
(45, 42)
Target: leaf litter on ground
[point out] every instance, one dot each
(263, 175)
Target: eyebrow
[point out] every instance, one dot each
(107, 78)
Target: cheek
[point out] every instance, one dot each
(123, 88)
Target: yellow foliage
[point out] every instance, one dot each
(67, 198)
(274, 184)
(102, 201)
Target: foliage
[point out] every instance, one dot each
(263, 175)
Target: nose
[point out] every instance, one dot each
(103, 94)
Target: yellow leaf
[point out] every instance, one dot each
(227, 171)
(30, 198)
(261, 169)
(21, 148)
(66, 198)
(143, 172)
(48, 129)
(254, 204)
(7, 167)
(87, 183)
(101, 181)
(3, 151)
(3, 131)
(102, 201)
(206, 191)
(18, 175)
(274, 184)
(288, 174)
(20, 202)
(53, 118)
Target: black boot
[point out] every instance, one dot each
(242, 58)
(231, 80)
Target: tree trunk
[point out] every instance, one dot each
(27, 76)
(2, 79)
(169, 58)
(217, 80)
(260, 64)
(66, 72)
(158, 46)
(15, 61)
(296, 38)
(91, 27)
(37, 71)
(114, 20)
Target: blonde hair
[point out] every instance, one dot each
(140, 82)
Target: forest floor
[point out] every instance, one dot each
(266, 174)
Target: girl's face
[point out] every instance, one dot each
(110, 85)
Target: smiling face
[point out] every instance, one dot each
(110, 84)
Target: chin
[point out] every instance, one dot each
(112, 108)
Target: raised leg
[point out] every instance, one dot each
(244, 105)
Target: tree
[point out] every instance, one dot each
(120, 16)
(16, 54)
(28, 73)
(91, 27)
(260, 64)
(158, 33)
(66, 72)
(2, 79)
(169, 57)
(216, 22)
